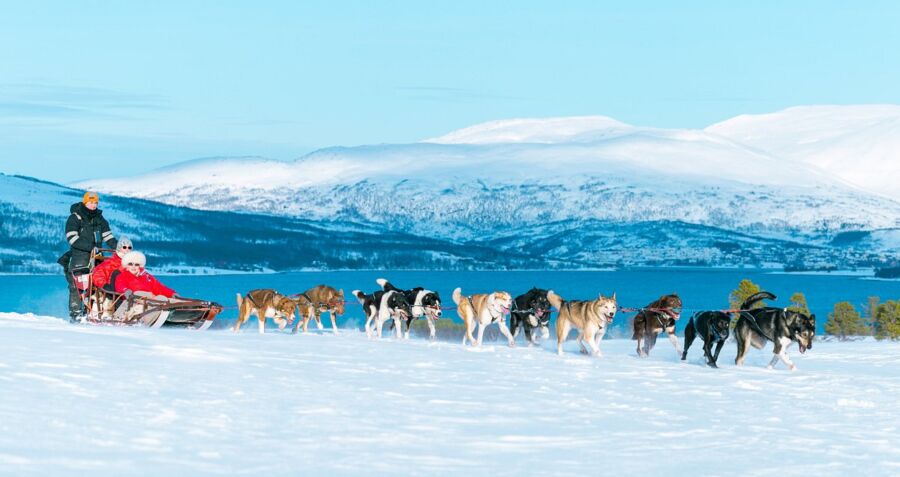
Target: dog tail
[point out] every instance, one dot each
(239, 301)
(555, 300)
(457, 295)
(386, 285)
(359, 296)
(756, 298)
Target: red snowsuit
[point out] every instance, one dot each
(103, 272)
(143, 281)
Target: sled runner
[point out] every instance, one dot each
(106, 307)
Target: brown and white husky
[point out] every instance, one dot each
(317, 300)
(590, 318)
(265, 303)
(483, 309)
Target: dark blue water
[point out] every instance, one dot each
(699, 289)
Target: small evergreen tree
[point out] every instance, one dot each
(887, 320)
(844, 321)
(871, 311)
(744, 290)
(798, 303)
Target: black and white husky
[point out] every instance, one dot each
(422, 302)
(778, 325)
(382, 306)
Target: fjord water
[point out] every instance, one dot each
(700, 289)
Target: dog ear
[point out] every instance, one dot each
(341, 292)
(614, 296)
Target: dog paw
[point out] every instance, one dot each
(793, 367)
(770, 367)
(512, 344)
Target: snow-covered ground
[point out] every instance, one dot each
(112, 401)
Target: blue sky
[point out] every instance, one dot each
(117, 88)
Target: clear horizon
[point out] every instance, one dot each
(99, 90)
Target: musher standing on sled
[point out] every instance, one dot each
(86, 230)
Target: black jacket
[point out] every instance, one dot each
(85, 230)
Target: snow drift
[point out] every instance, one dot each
(112, 401)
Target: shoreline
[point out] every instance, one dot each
(868, 273)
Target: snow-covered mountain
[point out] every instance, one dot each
(860, 144)
(488, 181)
(33, 215)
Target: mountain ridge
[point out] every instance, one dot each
(473, 184)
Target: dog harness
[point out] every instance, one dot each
(755, 325)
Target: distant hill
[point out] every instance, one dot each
(739, 193)
(33, 215)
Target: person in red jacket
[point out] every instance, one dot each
(132, 276)
(102, 273)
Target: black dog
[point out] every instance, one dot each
(422, 303)
(712, 327)
(532, 311)
(382, 306)
(778, 325)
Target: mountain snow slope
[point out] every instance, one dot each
(135, 402)
(541, 131)
(480, 181)
(33, 214)
(860, 144)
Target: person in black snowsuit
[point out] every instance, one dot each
(86, 229)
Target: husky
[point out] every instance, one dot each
(317, 300)
(382, 306)
(711, 327)
(531, 311)
(590, 318)
(779, 325)
(655, 318)
(422, 302)
(265, 303)
(483, 309)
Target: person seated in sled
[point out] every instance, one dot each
(102, 276)
(86, 230)
(134, 277)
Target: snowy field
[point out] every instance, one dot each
(112, 401)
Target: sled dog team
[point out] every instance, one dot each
(531, 312)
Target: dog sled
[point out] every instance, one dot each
(102, 306)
